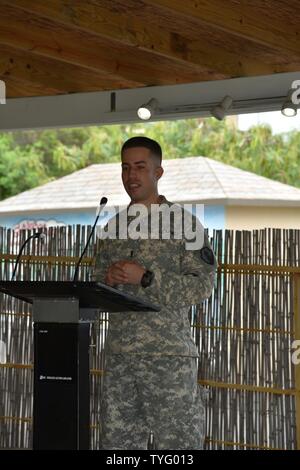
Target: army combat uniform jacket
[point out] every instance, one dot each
(181, 278)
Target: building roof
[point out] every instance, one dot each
(191, 179)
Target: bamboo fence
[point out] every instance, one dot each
(244, 333)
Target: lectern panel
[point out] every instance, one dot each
(57, 386)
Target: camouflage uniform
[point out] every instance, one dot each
(150, 380)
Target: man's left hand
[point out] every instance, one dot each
(133, 270)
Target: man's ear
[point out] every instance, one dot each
(159, 172)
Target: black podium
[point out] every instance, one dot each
(62, 313)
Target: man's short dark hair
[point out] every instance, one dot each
(140, 141)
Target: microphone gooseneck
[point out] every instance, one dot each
(101, 206)
(35, 235)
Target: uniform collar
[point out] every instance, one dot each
(161, 200)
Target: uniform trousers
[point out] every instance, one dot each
(143, 393)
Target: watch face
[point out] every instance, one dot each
(147, 279)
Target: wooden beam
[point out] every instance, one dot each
(27, 32)
(270, 23)
(145, 36)
(49, 73)
(16, 88)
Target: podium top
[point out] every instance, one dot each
(89, 294)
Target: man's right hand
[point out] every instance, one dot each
(116, 275)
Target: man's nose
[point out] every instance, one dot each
(131, 173)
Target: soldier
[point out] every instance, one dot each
(150, 381)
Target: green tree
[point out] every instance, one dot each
(31, 158)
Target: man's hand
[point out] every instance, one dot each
(124, 272)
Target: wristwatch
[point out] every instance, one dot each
(147, 279)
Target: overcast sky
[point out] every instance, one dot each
(277, 121)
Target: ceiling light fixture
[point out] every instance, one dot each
(146, 111)
(289, 109)
(219, 111)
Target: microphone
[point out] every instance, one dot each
(40, 235)
(102, 204)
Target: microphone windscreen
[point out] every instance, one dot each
(103, 201)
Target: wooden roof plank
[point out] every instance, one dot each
(115, 44)
(267, 23)
(16, 87)
(42, 37)
(104, 22)
(49, 73)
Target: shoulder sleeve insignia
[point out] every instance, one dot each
(207, 255)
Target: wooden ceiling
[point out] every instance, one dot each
(68, 46)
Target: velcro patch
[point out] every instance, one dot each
(207, 255)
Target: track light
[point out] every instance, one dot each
(219, 111)
(289, 108)
(146, 111)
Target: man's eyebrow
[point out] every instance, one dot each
(135, 163)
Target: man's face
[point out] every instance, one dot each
(140, 173)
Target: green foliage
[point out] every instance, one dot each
(31, 158)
